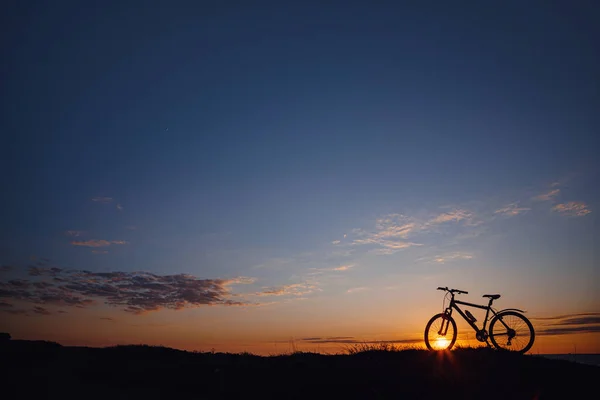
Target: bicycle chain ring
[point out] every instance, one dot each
(482, 335)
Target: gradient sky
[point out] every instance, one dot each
(237, 176)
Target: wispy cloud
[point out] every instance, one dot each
(98, 243)
(330, 270)
(74, 233)
(569, 324)
(572, 208)
(568, 330)
(548, 195)
(102, 199)
(394, 226)
(452, 216)
(446, 257)
(387, 246)
(557, 318)
(294, 289)
(100, 251)
(119, 207)
(357, 289)
(135, 292)
(336, 242)
(240, 280)
(40, 310)
(343, 267)
(394, 232)
(389, 235)
(512, 209)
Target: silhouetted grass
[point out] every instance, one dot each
(365, 371)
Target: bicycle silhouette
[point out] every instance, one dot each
(509, 329)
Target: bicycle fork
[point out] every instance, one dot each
(445, 323)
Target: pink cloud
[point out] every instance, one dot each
(572, 208)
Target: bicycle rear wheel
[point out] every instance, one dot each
(440, 332)
(512, 331)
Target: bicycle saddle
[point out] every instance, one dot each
(492, 296)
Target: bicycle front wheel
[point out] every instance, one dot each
(511, 331)
(440, 332)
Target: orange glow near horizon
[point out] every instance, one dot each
(206, 332)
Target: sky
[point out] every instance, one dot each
(269, 176)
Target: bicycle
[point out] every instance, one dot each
(509, 329)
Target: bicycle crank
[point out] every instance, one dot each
(482, 335)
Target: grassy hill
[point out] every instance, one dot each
(48, 370)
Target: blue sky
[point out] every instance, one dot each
(228, 140)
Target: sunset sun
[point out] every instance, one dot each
(441, 343)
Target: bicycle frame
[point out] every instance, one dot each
(454, 305)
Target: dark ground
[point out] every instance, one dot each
(44, 370)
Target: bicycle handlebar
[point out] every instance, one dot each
(452, 290)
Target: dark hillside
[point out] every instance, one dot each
(49, 371)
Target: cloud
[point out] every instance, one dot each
(294, 289)
(102, 199)
(547, 196)
(119, 207)
(567, 330)
(100, 251)
(135, 292)
(4, 304)
(393, 248)
(92, 243)
(560, 317)
(389, 236)
(5, 268)
(343, 268)
(321, 271)
(357, 289)
(240, 280)
(394, 226)
(106, 319)
(453, 216)
(394, 232)
(388, 244)
(581, 320)
(569, 324)
(511, 210)
(98, 243)
(336, 242)
(572, 208)
(41, 310)
(443, 258)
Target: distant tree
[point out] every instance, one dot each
(4, 336)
